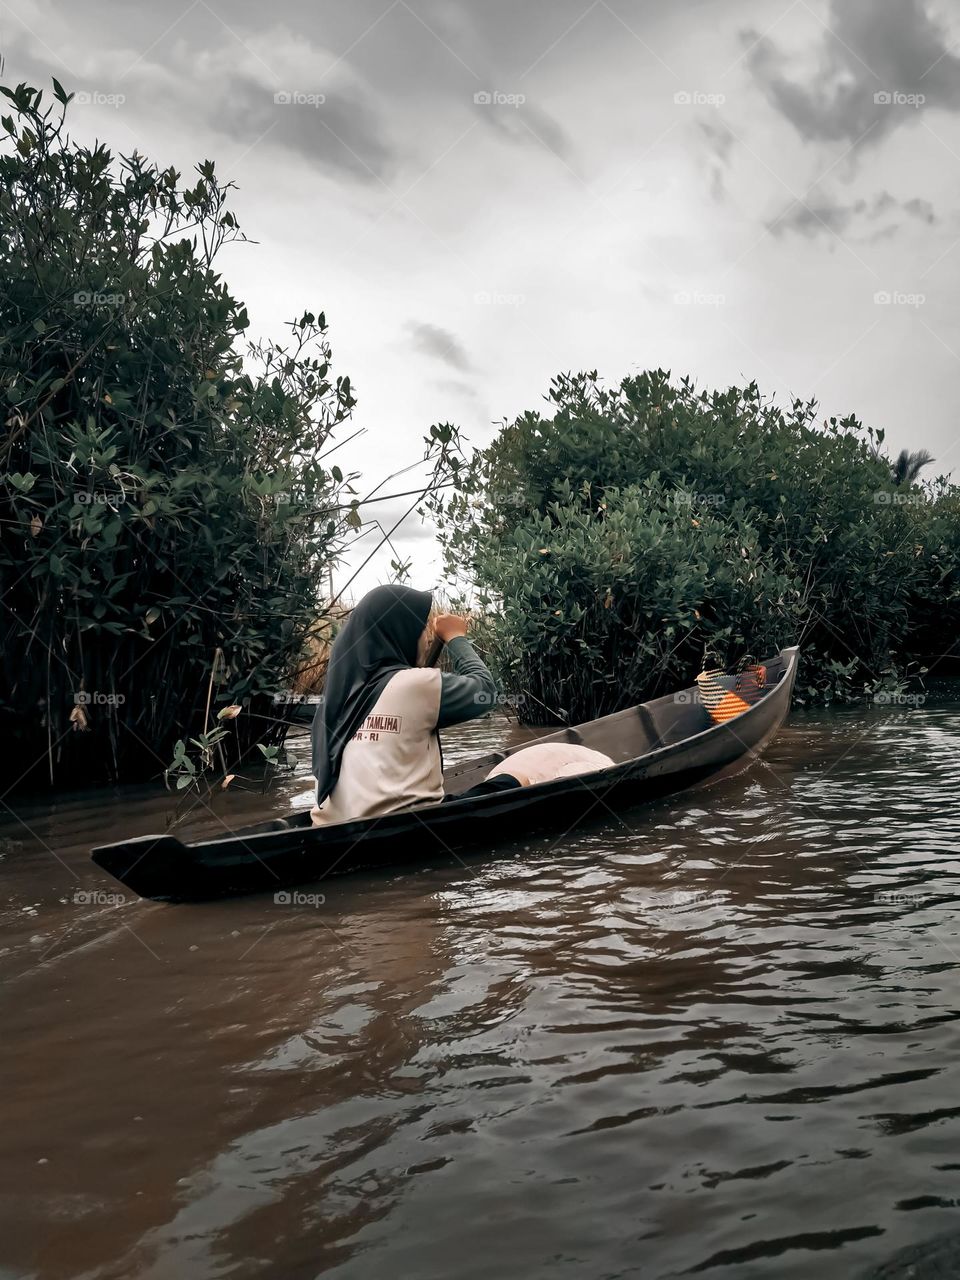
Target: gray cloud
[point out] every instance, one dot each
(719, 144)
(459, 388)
(528, 125)
(441, 345)
(411, 528)
(921, 209)
(228, 88)
(819, 215)
(342, 132)
(224, 78)
(480, 199)
(894, 47)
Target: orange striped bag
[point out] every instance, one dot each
(726, 695)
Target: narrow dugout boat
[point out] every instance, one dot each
(657, 747)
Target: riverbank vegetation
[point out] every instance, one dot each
(168, 516)
(613, 538)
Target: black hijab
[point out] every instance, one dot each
(379, 639)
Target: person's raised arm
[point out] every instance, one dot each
(469, 690)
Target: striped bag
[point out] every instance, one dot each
(726, 694)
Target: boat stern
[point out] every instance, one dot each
(147, 865)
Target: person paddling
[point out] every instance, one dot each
(375, 734)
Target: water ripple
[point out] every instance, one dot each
(721, 1036)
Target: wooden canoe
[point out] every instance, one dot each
(658, 747)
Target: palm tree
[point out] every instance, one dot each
(909, 465)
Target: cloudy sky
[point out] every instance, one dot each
(483, 193)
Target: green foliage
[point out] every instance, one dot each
(907, 467)
(162, 486)
(183, 771)
(611, 543)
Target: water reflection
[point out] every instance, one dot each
(718, 1035)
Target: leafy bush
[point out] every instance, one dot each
(614, 542)
(161, 497)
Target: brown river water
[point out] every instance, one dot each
(718, 1036)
